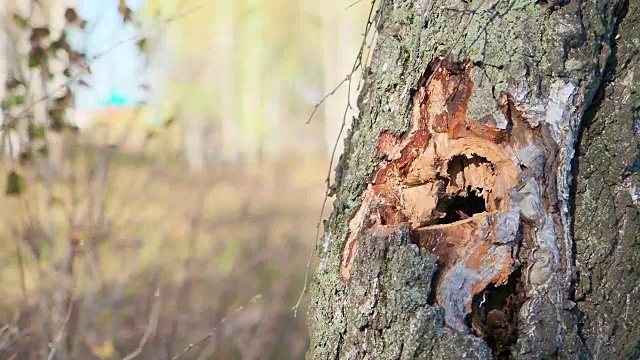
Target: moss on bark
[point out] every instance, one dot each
(607, 222)
(549, 58)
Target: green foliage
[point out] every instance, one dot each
(12, 100)
(37, 57)
(20, 21)
(25, 157)
(126, 12)
(39, 33)
(43, 150)
(226, 261)
(42, 50)
(37, 132)
(170, 120)
(60, 44)
(143, 44)
(15, 184)
(58, 119)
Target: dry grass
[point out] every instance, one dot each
(154, 236)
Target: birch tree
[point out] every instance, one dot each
(487, 199)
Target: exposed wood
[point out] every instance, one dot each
(452, 234)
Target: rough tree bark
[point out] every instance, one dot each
(487, 200)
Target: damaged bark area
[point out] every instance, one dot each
(471, 170)
(468, 187)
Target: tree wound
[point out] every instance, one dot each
(459, 180)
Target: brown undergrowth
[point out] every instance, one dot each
(101, 251)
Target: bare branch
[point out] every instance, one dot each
(152, 325)
(353, 4)
(332, 92)
(56, 341)
(356, 65)
(210, 335)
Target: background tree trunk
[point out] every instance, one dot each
(339, 31)
(487, 200)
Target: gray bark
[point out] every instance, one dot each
(487, 200)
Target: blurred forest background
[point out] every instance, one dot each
(161, 183)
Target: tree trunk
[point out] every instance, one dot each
(4, 61)
(226, 73)
(487, 200)
(252, 75)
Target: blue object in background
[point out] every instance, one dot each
(117, 65)
(116, 99)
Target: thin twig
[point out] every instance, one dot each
(152, 325)
(332, 92)
(356, 65)
(56, 341)
(353, 4)
(5, 343)
(213, 331)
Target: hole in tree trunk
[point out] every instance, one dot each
(494, 315)
(458, 163)
(460, 207)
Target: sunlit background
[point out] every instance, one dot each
(173, 214)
